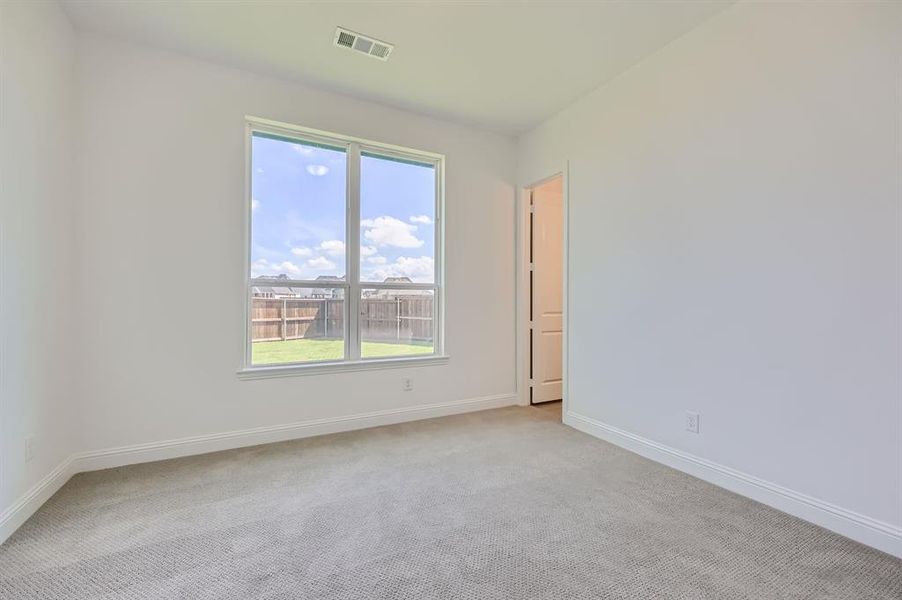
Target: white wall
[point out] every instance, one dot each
(736, 249)
(37, 195)
(161, 263)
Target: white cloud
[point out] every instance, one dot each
(255, 204)
(303, 150)
(389, 231)
(287, 266)
(322, 263)
(302, 251)
(376, 260)
(333, 247)
(317, 170)
(424, 219)
(420, 269)
(258, 266)
(368, 250)
(261, 266)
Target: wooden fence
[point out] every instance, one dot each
(401, 318)
(384, 319)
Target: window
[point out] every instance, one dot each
(345, 239)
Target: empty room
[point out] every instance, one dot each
(450, 299)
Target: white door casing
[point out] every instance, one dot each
(547, 255)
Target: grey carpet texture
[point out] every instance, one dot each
(497, 505)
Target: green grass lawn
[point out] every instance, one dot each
(289, 351)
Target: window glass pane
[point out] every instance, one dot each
(397, 220)
(291, 324)
(396, 322)
(297, 208)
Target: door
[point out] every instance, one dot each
(547, 291)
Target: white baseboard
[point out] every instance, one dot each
(868, 531)
(13, 517)
(202, 444)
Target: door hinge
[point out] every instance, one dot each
(532, 383)
(532, 209)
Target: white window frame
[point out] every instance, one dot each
(351, 286)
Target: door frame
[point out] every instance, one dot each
(522, 279)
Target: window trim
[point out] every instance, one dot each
(351, 286)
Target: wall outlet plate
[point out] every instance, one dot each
(692, 421)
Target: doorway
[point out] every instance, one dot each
(545, 303)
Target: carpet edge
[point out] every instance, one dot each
(861, 528)
(22, 509)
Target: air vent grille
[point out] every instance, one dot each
(380, 51)
(345, 39)
(352, 40)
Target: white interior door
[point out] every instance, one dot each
(546, 317)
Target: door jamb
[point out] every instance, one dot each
(522, 277)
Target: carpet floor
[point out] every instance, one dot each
(498, 505)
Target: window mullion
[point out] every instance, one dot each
(352, 255)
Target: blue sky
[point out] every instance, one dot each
(298, 214)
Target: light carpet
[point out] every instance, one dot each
(496, 505)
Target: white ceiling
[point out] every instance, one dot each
(501, 65)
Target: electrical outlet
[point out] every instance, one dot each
(691, 421)
(29, 448)
(408, 385)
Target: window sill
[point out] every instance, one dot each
(373, 364)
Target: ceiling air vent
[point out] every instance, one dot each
(345, 38)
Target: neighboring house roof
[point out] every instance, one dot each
(270, 277)
(305, 292)
(397, 293)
